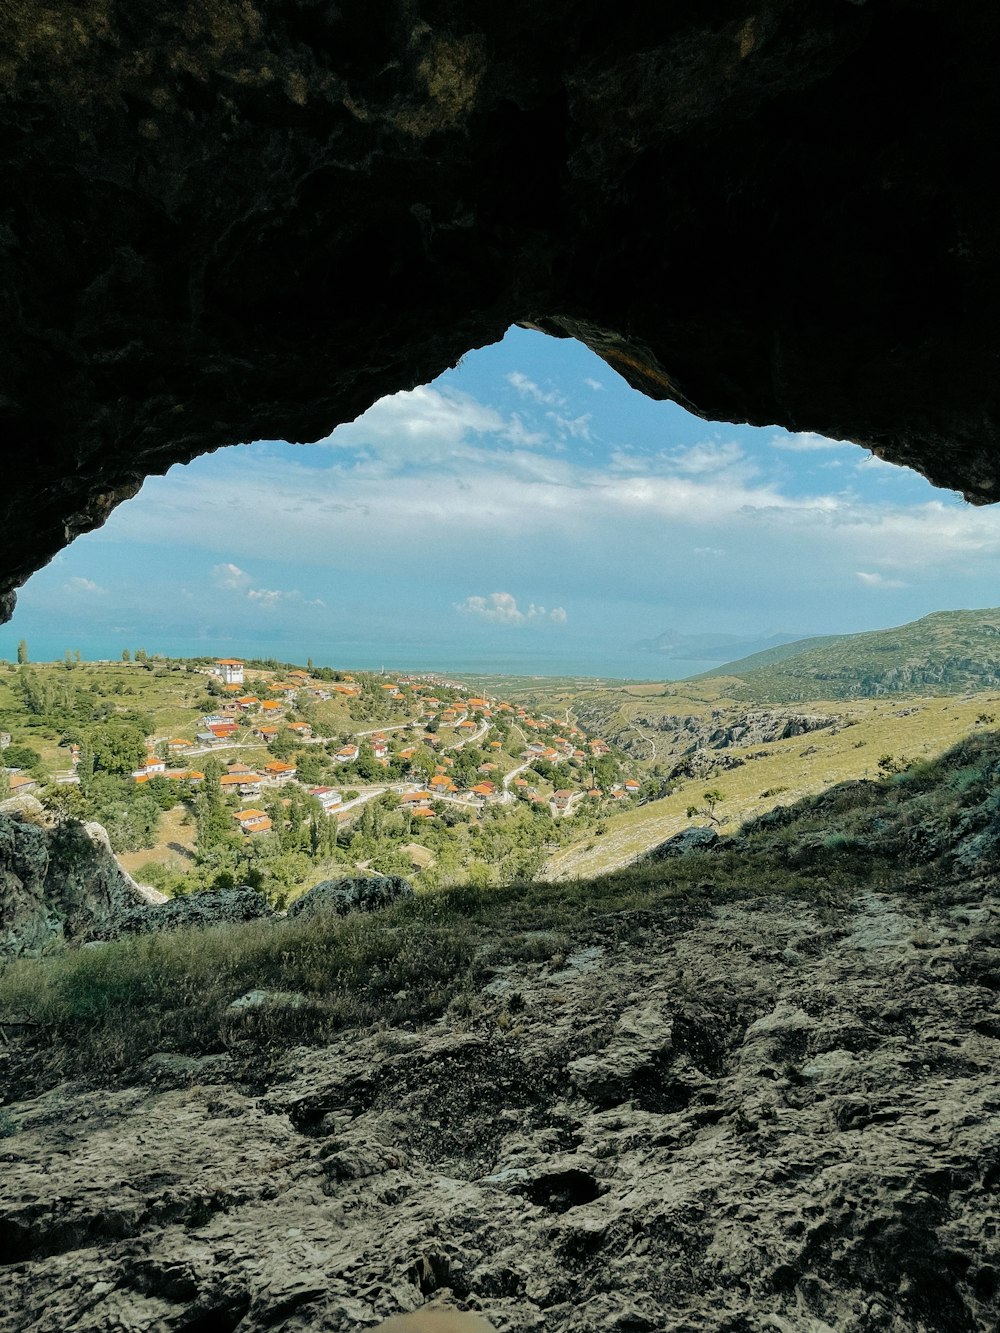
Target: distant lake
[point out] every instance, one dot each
(520, 659)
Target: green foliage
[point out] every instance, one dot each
(117, 748)
(20, 756)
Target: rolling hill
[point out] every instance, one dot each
(948, 652)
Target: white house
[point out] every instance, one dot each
(230, 670)
(328, 797)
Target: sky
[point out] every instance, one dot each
(527, 511)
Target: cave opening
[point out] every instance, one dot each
(526, 512)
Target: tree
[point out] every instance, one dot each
(22, 652)
(117, 749)
(20, 756)
(126, 655)
(141, 655)
(707, 811)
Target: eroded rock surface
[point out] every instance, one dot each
(353, 893)
(59, 882)
(229, 220)
(763, 1118)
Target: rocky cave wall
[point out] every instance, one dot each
(232, 219)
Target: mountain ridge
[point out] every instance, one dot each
(945, 652)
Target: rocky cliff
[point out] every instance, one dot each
(235, 219)
(58, 882)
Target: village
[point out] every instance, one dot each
(433, 728)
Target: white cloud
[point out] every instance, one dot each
(84, 587)
(266, 597)
(879, 580)
(712, 456)
(527, 388)
(230, 577)
(577, 428)
(596, 385)
(502, 609)
(709, 550)
(418, 418)
(806, 442)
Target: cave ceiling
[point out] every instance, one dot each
(230, 219)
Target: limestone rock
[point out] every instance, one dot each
(59, 883)
(690, 1135)
(361, 893)
(701, 838)
(208, 907)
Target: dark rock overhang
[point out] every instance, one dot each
(229, 219)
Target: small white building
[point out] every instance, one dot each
(230, 669)
(328, 797)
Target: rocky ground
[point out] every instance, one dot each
(759, 1117)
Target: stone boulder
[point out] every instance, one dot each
(698, 839)
(59, 882)
(210, 907)
(363, 893)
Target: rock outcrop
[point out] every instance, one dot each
(59, 882)
(208, 907)
(357, 893)
(228, 221)
(760, 1117)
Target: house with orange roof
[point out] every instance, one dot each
(485, 790)
(271, 706)
(477, 703)
(392, 691)
(253, 821)
(302, 729)
(495, 745)
(414, 799)
(177, 743)
(267, 734)
(247, 784)
(20, 783)
(279, 771)
(299, 675)
(408, 753)
(230, 669)
(422, 812)
(248, 701)
(347, 754)
(441, 785)
(595, 791)
(562, 798)
(632, 787)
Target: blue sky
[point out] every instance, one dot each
(526, 507)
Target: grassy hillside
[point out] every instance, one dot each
(868, 739)
(949, 652)
(100, 1011)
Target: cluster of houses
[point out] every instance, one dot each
(238, 711)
